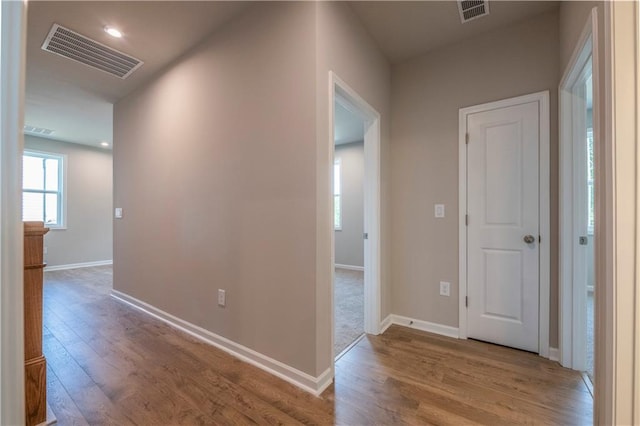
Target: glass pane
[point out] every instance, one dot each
(32, 173)
(337, 214)
(590, 165)
(32, 206)
(590, 177)
(51, 210)
(336, 179)
(591, 201)
(51, 167)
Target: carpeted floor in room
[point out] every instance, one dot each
(349, 308)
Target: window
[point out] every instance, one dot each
(337, 206)
(42, 188)
(590, 189)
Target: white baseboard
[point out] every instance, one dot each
(314, 385)
(554, 354)
(349, 267)
(431, 327)
(386, 323)
(78, 265)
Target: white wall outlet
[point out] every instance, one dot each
(222, 297)
(444, 288)
(439, 210)
(118, 212)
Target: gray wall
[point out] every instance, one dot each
(215, 170)
(88, 236)
(349, 241)
(427, 94)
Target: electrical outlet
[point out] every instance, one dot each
(439, 210)
(222, 298)
(444, 288)
(118, 213)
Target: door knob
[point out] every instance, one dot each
(529, 239)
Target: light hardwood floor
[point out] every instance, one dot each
(111, 364)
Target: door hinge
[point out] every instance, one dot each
(466, 138)
(365, 235)
(539, 239)
(466, 301)
(466, 220)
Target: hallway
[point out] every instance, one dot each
(110, 363)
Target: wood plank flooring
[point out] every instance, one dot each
(111, 364)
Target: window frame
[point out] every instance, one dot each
(62, 186)
(337, 162)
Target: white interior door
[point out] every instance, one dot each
(503, 228)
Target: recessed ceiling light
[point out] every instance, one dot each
(113, 32)
(104, 143)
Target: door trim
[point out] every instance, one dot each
(348, 97)
(13, 24)
(544, 212)
(572, 303)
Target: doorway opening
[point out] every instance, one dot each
(355, 232)
(579, 126)
(587, 214)
(348, 218)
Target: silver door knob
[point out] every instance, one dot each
(529, 239)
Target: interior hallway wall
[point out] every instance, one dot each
(215, 169)
(349, 240)
(88, 234)
(427, 94)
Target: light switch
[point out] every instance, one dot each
(439, 210)
(118, 213)
(445, 288)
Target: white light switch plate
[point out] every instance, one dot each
(439, 210)
(445, 288)
(222, 297)
(118, 213)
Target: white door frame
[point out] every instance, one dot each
(617, 355)
(13, 18)
(572, 298)
(338, 89)
(543, 319)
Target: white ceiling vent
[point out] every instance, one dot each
(37, 131)
(472, 9)
(64, 42)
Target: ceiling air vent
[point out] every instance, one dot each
(472, 9)
(64, 42)
(38, 131)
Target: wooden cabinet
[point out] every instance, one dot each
(35, 364)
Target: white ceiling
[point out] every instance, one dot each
(406, 29)
(77, 101)
(348, 126)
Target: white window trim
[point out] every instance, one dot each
(337, 162)
(62, 180)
